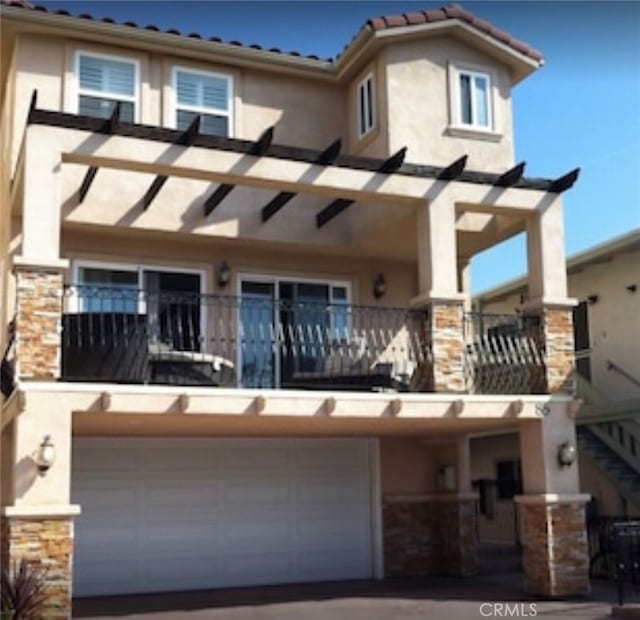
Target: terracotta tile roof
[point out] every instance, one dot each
(453, 11)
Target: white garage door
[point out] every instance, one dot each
(178, 514)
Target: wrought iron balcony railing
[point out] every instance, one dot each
(136, 336)
(503, 354)
(128, 335)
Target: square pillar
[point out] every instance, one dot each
(39, 292)
(45, 542)
(36, 517)
(430, 535)
(555, 549)
(552, 510)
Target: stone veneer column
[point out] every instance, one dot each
(555, 547)
(447, 346)
(429, 535)
(557, 324)
(38, 322)
(45, 542)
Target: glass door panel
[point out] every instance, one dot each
(257, 335)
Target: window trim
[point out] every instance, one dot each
(361, 88)
(456, 126)
(174, 107)
(78, 91)
(73, 307)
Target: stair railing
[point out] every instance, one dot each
(621, 371)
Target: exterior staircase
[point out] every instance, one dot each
(622, 474)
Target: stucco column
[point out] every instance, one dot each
(438, 293)
(36, 516)
(548, 298)
(39, 269)
(552, 510)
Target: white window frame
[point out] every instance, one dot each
(74, 307)
(361, 92)
(267, 278)
(199, 109)
(135, 99)
(473, 72)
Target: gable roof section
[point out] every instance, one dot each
(386, 25)
(453, 11)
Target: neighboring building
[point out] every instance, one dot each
(605, 281)
(240, 314)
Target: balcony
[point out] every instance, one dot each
(128, 335)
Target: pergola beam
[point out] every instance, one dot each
(388, 166)
(86, 183)
(326, 157)
(187, 138)
(153, 190)
(510, 177)
(257, 149)
(454, 170)
(563, 183)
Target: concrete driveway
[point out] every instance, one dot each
(496, 596)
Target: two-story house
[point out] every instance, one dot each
(235, 307)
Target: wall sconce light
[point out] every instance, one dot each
(593, 299)
(632, 288)
(45, 456)
(379, 286)
(566, 454)
(224, 274)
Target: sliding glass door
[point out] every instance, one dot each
(285, 326)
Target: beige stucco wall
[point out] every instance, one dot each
(307, 113)
(412, 100)
(487, 451)
(614, 321)
(419, 104)
(246, 259)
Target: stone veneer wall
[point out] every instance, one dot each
(555, 548)
(557, 324)
(447, 342)
(48, 544)
(424, 536)
(38, 323)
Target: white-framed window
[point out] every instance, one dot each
(104, 80)
(366, 110)
(203, 93)
(473, 99)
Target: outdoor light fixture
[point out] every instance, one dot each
(379, 286)
(45, 456)
(593, 299)
(224, 274)
(566, 454)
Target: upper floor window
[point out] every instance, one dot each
(365, 106)
(474, 102)
(204, 94)
(104, 81)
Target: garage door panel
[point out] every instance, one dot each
(242, 494)
(243, 458)
(251, 568)
(203, 513)
(176, 497)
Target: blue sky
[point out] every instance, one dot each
(581, 109)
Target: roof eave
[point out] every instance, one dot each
(368, 40)
(233, 54)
